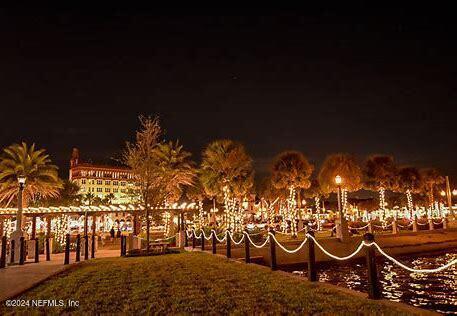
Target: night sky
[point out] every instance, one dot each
(358, 80)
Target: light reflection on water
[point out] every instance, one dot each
(436, 291)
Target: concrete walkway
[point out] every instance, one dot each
(18, 278)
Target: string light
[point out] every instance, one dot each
(61, 229)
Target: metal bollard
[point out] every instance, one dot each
(247, 248)
(213, 242)
(92, 252)
(37, 250)
(78, 248)
(374, 291)
(312, 273)
(48, 249)
(203, 240)
(431, 226)
(86, 247)
(228, 244)
(273, 264)
(67, 249)
(3, 255)
(12, 244)
(21, 251)
(415, 228)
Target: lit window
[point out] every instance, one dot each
(99, 190)
(99, 182)
(107, 182)
(115, 183)
(107, 190)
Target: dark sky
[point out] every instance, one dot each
(359, 80)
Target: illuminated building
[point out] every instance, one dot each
(103, 181)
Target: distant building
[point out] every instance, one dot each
(103, 180)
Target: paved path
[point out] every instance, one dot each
(16, 279)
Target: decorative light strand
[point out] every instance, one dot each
(333, 256)
(447, 265)
(259, 246)
(284, 248)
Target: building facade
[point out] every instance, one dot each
(115, 183)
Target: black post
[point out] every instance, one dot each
(86, 247)
(48, 249)
(272, 251)
(122, 246)
(3, 257)
(213, 241)
(125, 245)
(21, 251)
(12, 244)
(374, 291)
(37, 250)
(229, 244)
(312, 273)
(92, 252)
(203, 240)
(193, 239)
(186, 239)
(67, 249)
(78, 248)
(247, 250)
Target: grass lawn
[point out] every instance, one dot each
(190, 283)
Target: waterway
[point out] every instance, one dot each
(434, 291)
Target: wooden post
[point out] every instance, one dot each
(135, 224)
(186, 239)
(48, 249)
(272, 251)
(78, 248)
(430, 224)
(193, 239)
(21, 250)
(415, 224)
(3, 255)
(444, 223)
(374, 291)
(37, 250)
(213, 241)
(247, 248)
(67, 249)
(203, 240)
(125, 245)
(1, 226)
(312, 273)
(33, 228)
(12, 245)
(48, 226)
(370, 227)
(122, 246)
(92, 250)
(394, 226)
(86, 247)
(229, 244)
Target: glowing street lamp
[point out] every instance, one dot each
(443, 193)
(342, 226)
(21, 181)
(454, 192)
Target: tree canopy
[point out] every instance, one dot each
(346, 167)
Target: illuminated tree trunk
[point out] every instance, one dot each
(409, 199)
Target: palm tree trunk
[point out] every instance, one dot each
(148, 225)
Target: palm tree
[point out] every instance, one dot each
(430, 179)
(380, 175)
(226, 172)
(68, 195)
(108, 199)
(175, 170)
(41, 176)
(409, 181)
(291, 171)
(343, 165)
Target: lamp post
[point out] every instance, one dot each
(18, 235)
(341, 225)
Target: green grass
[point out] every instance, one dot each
(189, 283)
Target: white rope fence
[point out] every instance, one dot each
(447, 265)
(284, 248)
(333, 256)
(358, 228)
(259, 246)
(235, 242)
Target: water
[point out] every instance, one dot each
(436, 291)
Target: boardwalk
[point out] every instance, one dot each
(16, 279)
